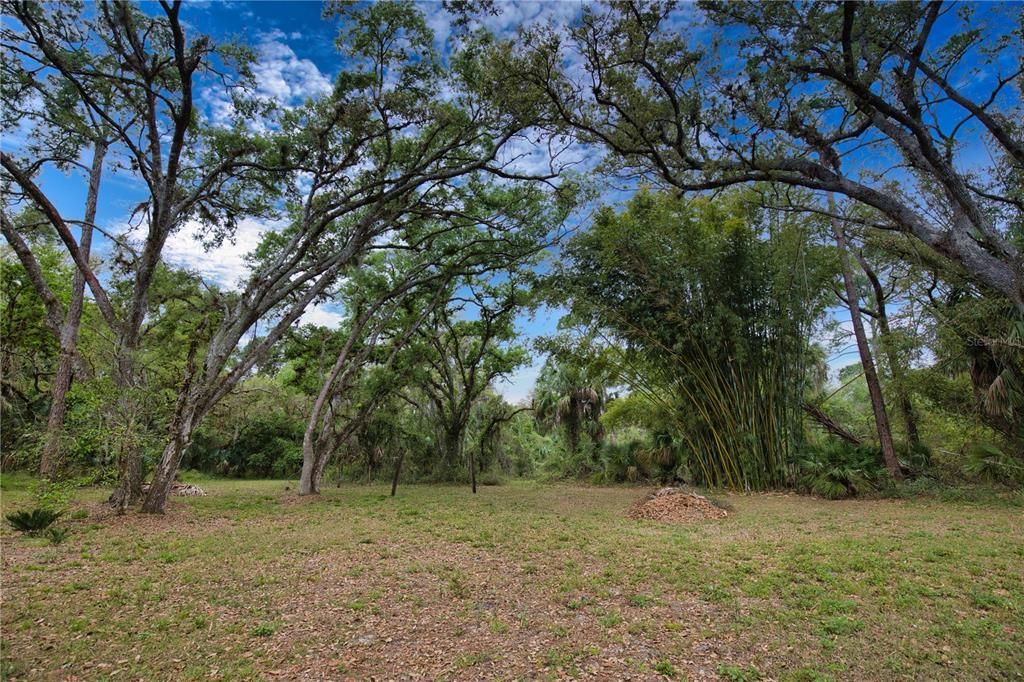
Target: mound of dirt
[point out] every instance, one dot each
(675, 505)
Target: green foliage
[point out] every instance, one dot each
(55, 495)
(991, 463)
(736, 673)
(835, 469)
(665, 667)
(263, 630)
(526, 448)
(266, 445)
(711, 305)
(621, 461)
(34, 521)
(570, 395)
(28, 350)
(57, 535)
(491, 477)
(703, 310)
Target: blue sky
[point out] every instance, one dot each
(296, 59)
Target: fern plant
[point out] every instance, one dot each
(33, 522)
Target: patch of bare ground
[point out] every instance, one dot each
(472, 615)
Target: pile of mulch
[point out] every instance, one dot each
(675, 505)
(182, 490)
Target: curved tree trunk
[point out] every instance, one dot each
(306, 477)
(180, 431)
(49, 461)
(314, 460)
(167, 469)
(867, 362)
(312, 467)
(180, 436)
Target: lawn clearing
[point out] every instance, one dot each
(522, 581)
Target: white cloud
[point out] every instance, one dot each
(224, 265)
(280, 75)
(323, 315)
(283, 76)
(526, 13)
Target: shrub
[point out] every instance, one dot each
(491, 477)
(837, 469)
(990, 463)
(54, 494)
(33, 522)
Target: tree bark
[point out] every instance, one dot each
(129, 459)
(826, 422)
(452, 447)
(306, 477)
(398, 471)
(472, 471)
(49, 462)
(867, 362)
(167, 469)
(896, 368)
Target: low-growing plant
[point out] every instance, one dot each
(34, 521)
(665, 668)
(54, 494)
(264, 630)
(491, 477)
(56, 535)
(988, 462)
(736, 673)
(836, 470)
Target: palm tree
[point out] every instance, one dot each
(572, 396)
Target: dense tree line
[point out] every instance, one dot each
(818, 175)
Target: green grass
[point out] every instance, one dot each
(519, 581)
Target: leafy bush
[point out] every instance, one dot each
(836, 469)
(268, 446)
(620, 461)
(635, 455)
(33, 522)
(917, 458)
(490, 477)
(54, 494)
(990, 463)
